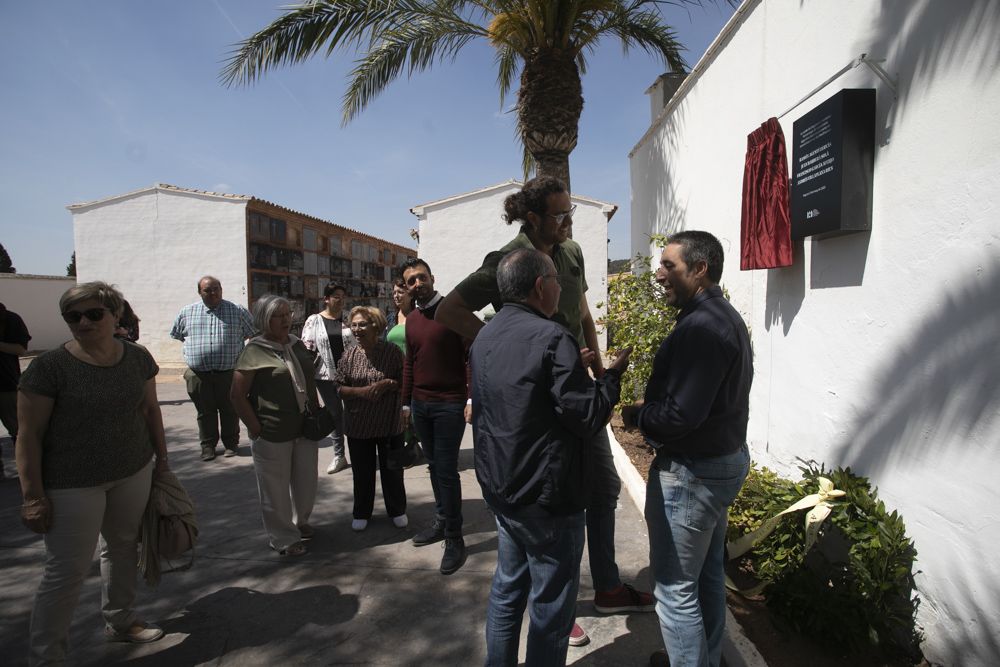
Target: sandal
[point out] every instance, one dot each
(296, 549)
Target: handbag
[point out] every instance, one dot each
(316, 422)
(409, 455)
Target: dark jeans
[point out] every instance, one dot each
(606, 487)
(440, 427)
(8, 412)
(538, 567)
(209, 391)
(328, 390)
(364, 452)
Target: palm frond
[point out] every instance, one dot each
(508, 61)
(528, 164)
(415, 45)
(643, 29)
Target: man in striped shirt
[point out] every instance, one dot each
(213, 331)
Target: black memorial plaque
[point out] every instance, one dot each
(833, 153)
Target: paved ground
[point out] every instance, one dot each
(356, 598)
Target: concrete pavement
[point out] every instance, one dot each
(355, 598)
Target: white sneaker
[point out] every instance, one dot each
(359, 524)
(400, 521)
(337, 464)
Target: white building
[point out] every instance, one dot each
(877, 350)
(155, 244)
(457, 232)
(36, 300)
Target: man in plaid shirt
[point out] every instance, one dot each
(213, 331)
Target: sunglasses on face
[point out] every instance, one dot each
(92, 314)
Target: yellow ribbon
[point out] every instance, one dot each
(820, 509)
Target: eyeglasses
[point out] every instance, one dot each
(558, 217)
(554, 276)
(360, 325)
(92, 314)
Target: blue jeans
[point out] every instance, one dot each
(440, 427)
(606, 487)
(686, 501)
(538, 567)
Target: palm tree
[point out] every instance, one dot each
(546, 39)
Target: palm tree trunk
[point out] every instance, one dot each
(549, 104)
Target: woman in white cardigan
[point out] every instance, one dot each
(326, 334)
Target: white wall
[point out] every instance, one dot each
(36, 300)
(154, 246)
(879, 351)
(455, 236)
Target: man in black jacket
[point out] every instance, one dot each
(694, 413)
(535, 410)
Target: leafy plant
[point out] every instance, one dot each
(854, 590)
(637, 317)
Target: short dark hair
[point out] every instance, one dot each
(699, 246)
(333, 287)
(412, 263)
(532, 198)
(518, 271)
(212, 279)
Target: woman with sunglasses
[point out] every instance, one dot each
(370, 377)
(90, 426)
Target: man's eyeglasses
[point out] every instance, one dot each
(554, 276)
(92, 314)
(558, 217)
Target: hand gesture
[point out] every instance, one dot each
(621, 361)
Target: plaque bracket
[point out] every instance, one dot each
(863, 59)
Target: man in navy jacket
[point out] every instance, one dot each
(694, 413)
(535, 410)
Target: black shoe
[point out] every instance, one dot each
(430, 535)
(454, 555)
(207, 453)
(659, 659)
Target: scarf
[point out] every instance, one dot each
(286, 353)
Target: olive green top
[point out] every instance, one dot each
(272, 394)
(480, 287)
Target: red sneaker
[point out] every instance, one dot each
(624, 598)
(578, 636)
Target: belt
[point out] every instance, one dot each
(226, 370)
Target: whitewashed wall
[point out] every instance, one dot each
(154, 246)
(456, 234)
(877, 351)
(36, 300)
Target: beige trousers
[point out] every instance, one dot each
(286, 481)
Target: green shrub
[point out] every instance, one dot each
(638, 317)
(854, 590)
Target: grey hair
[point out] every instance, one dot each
(263, 310)
(518, 271)
(106, 294)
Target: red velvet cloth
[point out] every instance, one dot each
(765, 230)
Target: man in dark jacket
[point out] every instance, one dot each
(694, 413)
(535, 410)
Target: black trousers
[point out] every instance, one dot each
(364, 453)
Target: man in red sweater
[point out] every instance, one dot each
(435, 397)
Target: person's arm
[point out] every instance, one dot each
(309, 333)
(246, 321)
(13, 348)
(454, 313)
(238, 392)
(179, 332)
(584, 404)
(596, 363)
(33, 413)
(154, 423)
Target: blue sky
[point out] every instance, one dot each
(107, 96)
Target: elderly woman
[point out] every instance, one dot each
(90, 426)
(370, 376)
(272, 384)
(326, 334)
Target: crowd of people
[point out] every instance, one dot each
(531, 382)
